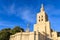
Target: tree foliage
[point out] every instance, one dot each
(16, 29)
(5, 33)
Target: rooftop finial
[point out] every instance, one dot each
(42, 7)
(27, 30)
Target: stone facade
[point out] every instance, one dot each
(42, 30)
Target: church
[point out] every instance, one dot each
(42, 30)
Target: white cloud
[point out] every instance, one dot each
(7, 24)
(24, 13)
(28, 16)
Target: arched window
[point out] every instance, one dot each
(41, 19)
(42, 16)
(39, 16)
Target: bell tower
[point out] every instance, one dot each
(42, 16)
(42, 25)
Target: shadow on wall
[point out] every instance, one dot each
(42, 37)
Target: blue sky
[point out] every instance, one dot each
(23, 12)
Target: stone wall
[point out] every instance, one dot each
(23, 36)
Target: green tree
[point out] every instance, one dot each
(16, 29)
(5, 34)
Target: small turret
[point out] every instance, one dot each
(42, 16)
(42, 8)
(27, 30)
